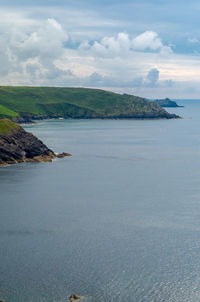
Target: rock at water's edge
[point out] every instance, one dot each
(74, 297)
(64, 154)
(17, 145)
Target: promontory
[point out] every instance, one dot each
(25, 104)
(17, 145)
(167, 103)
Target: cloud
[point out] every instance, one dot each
(152, 78)
(99, 80)
(31, 53)
(39, 49)
(46, 42)
(109, 46)
(122, 45)
(149, 40)
(193, 40)
(43, 52)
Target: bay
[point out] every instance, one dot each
(118, 221)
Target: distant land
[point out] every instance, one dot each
(167, 103)
(25, 104)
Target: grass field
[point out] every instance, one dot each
(7, 126)
(7, 112)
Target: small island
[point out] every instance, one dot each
(18, 145)
(167, 103)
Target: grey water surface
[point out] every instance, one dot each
(118, 221)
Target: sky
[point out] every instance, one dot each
(149, 48)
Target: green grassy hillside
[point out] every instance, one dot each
(7, 112)
(7, 126)
(167, 103)
(49, 102)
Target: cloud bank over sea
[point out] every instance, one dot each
(140, 47)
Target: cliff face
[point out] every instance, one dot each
(17, 145)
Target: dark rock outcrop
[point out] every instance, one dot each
(74, 297)
(63, 154)
(17, 145)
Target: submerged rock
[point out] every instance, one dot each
(17, 145)
(74, 297)
(64, 154)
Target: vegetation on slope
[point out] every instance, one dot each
(44, 102)
(7, 126)
(167, 103)
(5, 112)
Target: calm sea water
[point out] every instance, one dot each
(118, 221)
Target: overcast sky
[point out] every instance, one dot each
(149, 48)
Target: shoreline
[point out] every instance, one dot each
(36, 120)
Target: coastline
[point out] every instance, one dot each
(35, 120)
(17, 146)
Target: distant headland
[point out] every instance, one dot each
(26, 104)
(167, 103)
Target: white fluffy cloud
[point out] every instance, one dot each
(46, 42)
(30, 53)
(122, 44)
(147, 40)
(37, 54)
(112, 46)
(42, 52)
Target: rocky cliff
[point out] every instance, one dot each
(17, 145)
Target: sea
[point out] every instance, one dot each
(118, 221)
